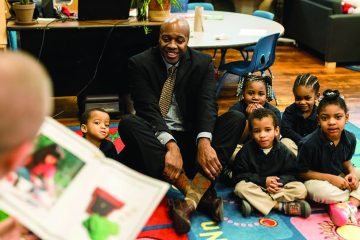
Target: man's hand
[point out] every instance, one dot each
(352, 180)
(207, 159)
(272, 184)
(339, 182)
(173, 161)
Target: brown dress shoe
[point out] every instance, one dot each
(180, 213)
(212, 205)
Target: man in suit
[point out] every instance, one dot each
(25, 100)
(185, 135)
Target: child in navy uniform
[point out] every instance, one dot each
(324, 161)
(94, 125)
(265, 171)
(254, 93)
(299, 119)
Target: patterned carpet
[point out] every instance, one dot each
(275, 226)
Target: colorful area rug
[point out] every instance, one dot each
(274, 226)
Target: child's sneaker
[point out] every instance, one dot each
(342, 213)
(246, 208)
(297, 208)
(353, 212)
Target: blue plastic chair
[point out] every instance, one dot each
(206, 6)
(258, 13)
(183, 6)
(262, 59)
(246, 50)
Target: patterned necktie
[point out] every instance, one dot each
(166, 93)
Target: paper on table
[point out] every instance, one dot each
(252, 32)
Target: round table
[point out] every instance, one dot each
(229, 29)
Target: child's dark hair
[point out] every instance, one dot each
(86, 115)
(246, 80)
(332, 97)
(261, 113)
(40, 155)
(307, 80)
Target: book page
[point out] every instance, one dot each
(68, 190)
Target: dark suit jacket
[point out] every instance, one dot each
(194, 89)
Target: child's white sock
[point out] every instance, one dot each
(280, 207)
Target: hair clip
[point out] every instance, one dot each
(330, 94)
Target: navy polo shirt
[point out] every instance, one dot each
(295, 126)
(241, 107)
(318, 153)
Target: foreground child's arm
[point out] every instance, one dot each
(351, 178)
(333, 179)
(243, 169)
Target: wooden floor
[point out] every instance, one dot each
(290, 61)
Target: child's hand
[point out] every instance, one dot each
(352, 180)
(272, 184)
(250, 108)
(258, 105)
(339, 182)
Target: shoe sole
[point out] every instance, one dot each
(246, 208)
(219, 216)
(180, 224)
(307, 209)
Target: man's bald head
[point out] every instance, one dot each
(25, 99)
(177, 22)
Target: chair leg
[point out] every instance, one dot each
(215, 51)
(220, 84)
(244, 54)
(222, 59)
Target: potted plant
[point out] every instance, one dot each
(24, 11)
(155, 10)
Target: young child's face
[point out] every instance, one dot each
(332, 119)
(97, 126)
(255, 92)
(305, 98)
(264, 132)
(50, 159)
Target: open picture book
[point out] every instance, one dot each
(69, 190)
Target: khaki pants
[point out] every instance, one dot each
(263, 201)
(324, 192)
(290, 144)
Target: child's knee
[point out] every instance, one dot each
(300, 190)
(242, 188)
(324, 192)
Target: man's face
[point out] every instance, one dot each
(173, 42)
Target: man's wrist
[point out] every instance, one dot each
(203, 141)
(170, 145)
